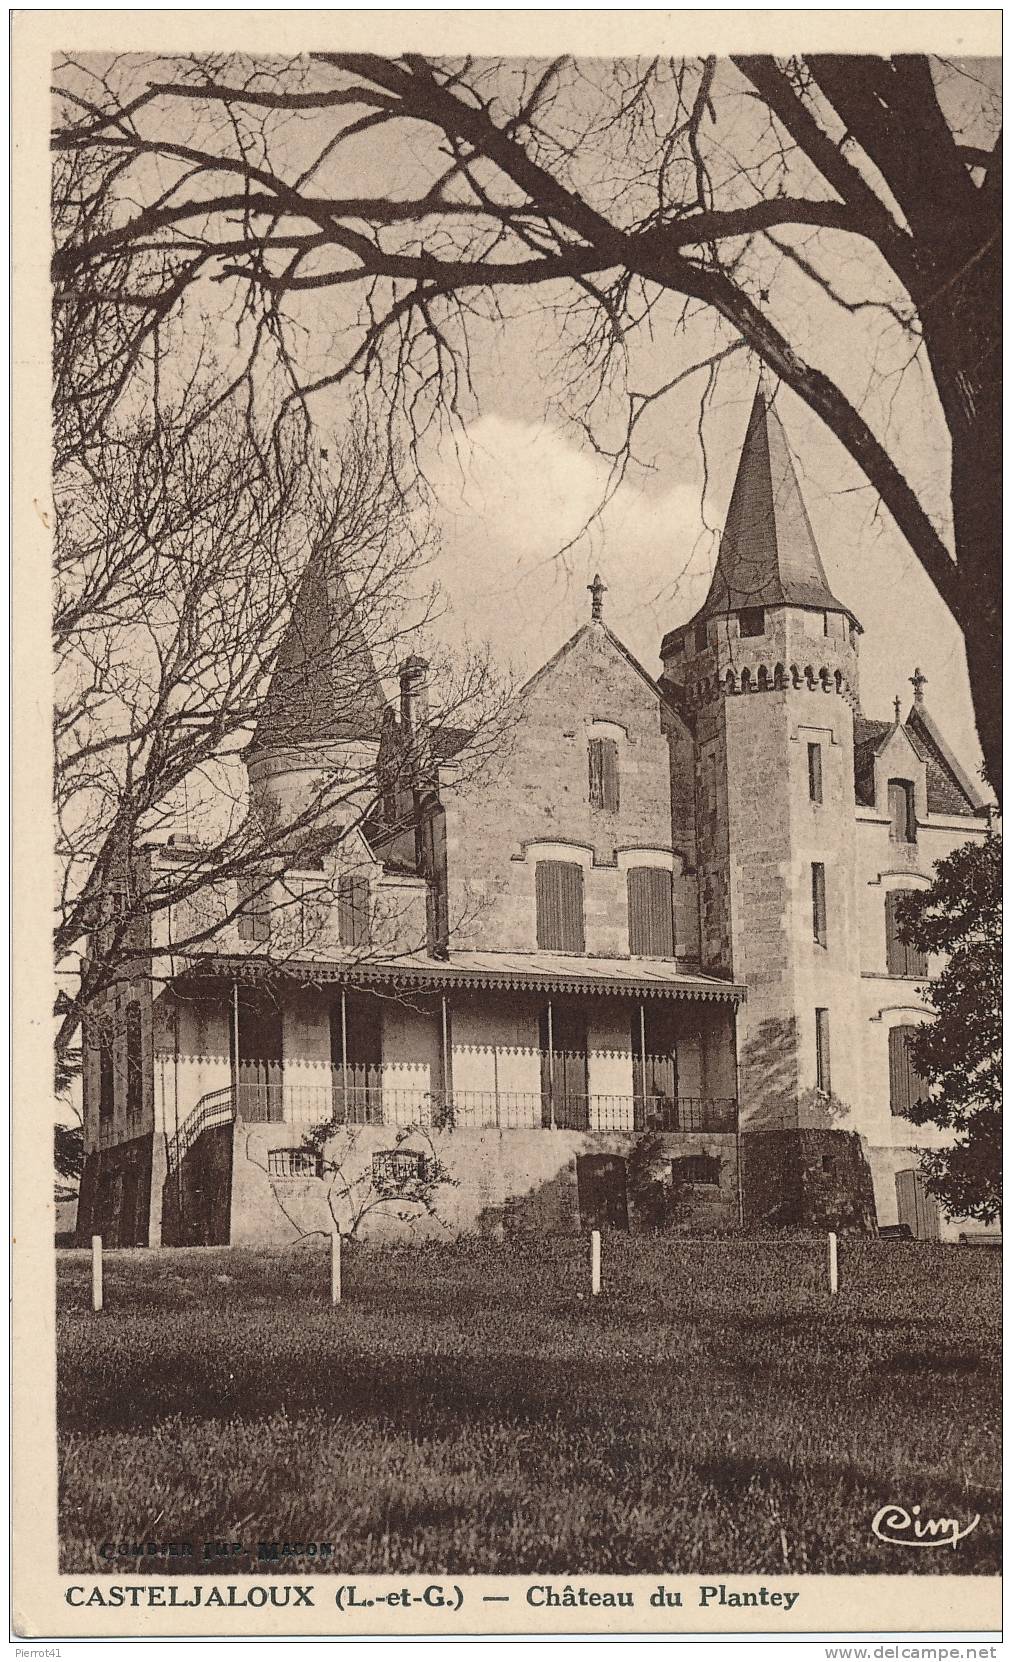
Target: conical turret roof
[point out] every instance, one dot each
(768, 554)
(324, 687)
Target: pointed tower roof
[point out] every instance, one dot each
(324, 687)
(768, 554)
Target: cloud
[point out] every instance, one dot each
(512, 496)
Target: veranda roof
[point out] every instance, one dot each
(556, 972)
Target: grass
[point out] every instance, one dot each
(466, 1410)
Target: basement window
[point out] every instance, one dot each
(702, 1169)
(395, 1169)
(293, 1162)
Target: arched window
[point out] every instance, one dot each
(901, 957)
(603, 765)
(905, 1084)
(558, 886)
(651, 926)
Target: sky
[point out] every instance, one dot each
(515, 481)
(528, 488)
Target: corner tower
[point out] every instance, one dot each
(766, 674)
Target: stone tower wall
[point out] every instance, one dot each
(756, 704)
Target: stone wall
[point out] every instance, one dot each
(196, 1198)
(115, 1195)
(807, 1180)
(540, 794)
(499, 1182)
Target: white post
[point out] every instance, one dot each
(96, 1272)
(595, 1262)
(335, 1267)
(831, 1261)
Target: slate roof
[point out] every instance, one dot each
(325, 686)
(768, 554)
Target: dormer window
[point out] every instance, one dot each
(752, 621)
(902, 816)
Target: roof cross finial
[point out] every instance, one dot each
(918, 682)
(896, 709)
(598, 589)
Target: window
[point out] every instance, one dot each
(559, 897)
(134, 1060)
(678, 645)
(306, 905)
(696, 1168)
(394, 1170)
(293, 1162)
(700, 637)
(603, 757)
(815, 773)
(902, 819)
(905, 1084)
(822, 1073)
(106, 1072)
(819, 903)
(353, 910)
(752, 621)
(901, 958)
(651, 928)
(254, 909)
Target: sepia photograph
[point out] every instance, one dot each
(525, 710)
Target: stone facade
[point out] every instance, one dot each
(651, 938)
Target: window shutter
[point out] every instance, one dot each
(602, 757)
(254, 909)
(903, 821)
(815, 772)
(106, 1074)
(895, 950)
(353, 910)
(901, 957)
(905, 1084)
(651, 929)
(134, 1060)
(559, 899)
(822, 1070)
(609, 775)
(819, 903)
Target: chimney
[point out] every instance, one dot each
(414, 679)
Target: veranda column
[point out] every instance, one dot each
(643, 1067)
(344, 1049)
(551, 1070)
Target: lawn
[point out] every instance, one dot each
(469, 1408)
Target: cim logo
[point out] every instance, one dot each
(900, 1528)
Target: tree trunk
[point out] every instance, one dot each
(962, 331)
